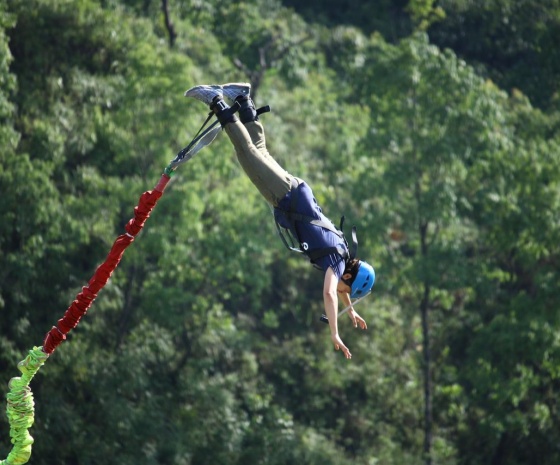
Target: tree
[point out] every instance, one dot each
(512, 41)
(509, 380)
(433, 116)
(205, 346)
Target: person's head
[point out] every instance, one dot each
(359, 276)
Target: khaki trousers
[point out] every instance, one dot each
(272, 181)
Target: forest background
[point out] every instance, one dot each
(433, 126)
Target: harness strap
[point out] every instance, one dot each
(320, 253)
(262, 110)
(293, 217)
(354, 250)
(182, 155)
(308, 219)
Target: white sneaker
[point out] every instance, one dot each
(206, 94)
(232, 90)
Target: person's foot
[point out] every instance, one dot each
(232, 90)
(206, 94)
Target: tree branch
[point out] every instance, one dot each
(168, 23)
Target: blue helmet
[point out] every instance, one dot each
(364, 280)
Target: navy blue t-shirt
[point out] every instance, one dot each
(316, 237)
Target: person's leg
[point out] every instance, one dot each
(272, 181)
(250, 119)
(241, 94)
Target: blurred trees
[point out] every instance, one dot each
(513, 42)
(205, 346)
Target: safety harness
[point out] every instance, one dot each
(290, 237)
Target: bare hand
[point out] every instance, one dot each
(339, 345)
(357, 319)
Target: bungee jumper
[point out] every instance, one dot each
(296, 211)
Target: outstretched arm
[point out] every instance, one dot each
(330, 300)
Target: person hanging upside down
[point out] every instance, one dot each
(295, 207)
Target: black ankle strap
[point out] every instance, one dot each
(265, 109)
(224, 113)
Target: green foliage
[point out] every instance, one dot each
(205, 346)
(424, 14)
(388, 17)
(513, 40)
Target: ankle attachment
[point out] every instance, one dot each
(247, 111)
(223, 112)
(262, 110)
